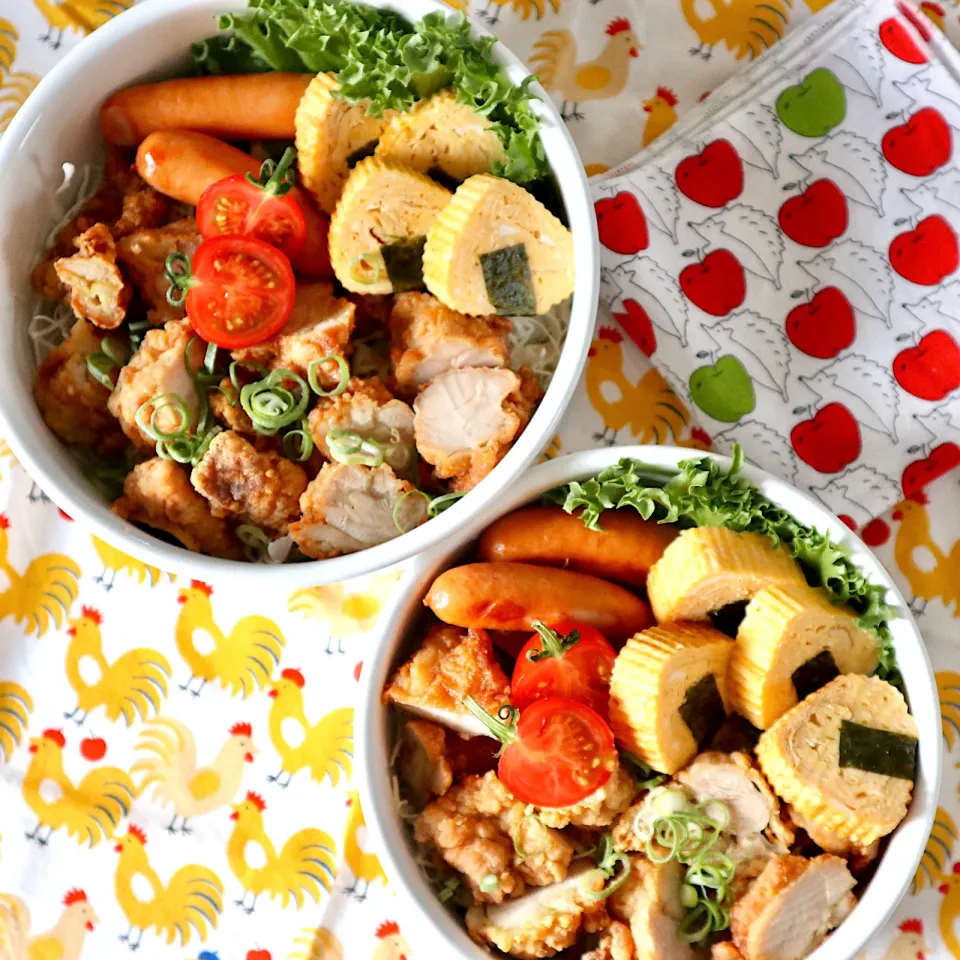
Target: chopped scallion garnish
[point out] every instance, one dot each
(443, 502)
(366, 269)
(316, 366)
(254, 541)
(489, 883)
(271, 404)
(348, 446)
(148, 416)
(608, 859)
(400, 500)
(298, 443)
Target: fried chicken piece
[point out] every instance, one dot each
(450, 665)
(543, 921)
(600, 808)
(95, 287)
(157, 493)
(466, 420)
(422, 763)
(649, 901)
(616, 943)
(368, 409)
(157, 368)
(724, 950)
(473, 827)
(791, 907)
(145, 253)
(232, 415)
(259, 488)
(143, 209)
(320, 325)
(346, 508)
(428, 338)
(72, 403)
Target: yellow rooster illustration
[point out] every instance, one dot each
(365, 866)
(82, 16)
(346, 608)
(524, 7)
(116, 561)
(90, 811)
(16, 705)
(950, 910)
(44, 594)
(661, 110)
(324, 747)
(649, 407)
(938, 853)
(192, 899)
(306, 863)
(242, 662)
(391, 944)
(948, 687)
(747, 27)
(9, 35)
(554, 60)
(14, 90)
(63, 941)
(132, 685)
(317, 944)
(168, 762)
(930, 572)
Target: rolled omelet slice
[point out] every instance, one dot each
(495, 249)
(668, 692)
(378, 228)
(442, 138)
(791, 641)
(706, 568)
(332, 135)
(845, 758)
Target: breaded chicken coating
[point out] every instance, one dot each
(96, 290)
(158, 494)
(428, 339)
(157, 368)
(258, 488)
(600, 808)
(473, 827)
(72, 403)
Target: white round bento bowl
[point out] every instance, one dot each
(396, 639)
(59, 124)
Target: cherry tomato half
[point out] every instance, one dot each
(566, 659)
(239, 291)
(557, 754)
(258, 208)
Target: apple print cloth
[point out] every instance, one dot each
(788, 255)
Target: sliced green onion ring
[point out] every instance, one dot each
(271, 405)
(302, 435)
(115, 351)
(101, 368)
(608, 858)
(210, 358)
(347, 446)
(443, 502)
(254, 541)
(396, 510)
(344, 372)
(235, 364)
(171, 402)
(521, 853)
(367, 268)
(489, 883)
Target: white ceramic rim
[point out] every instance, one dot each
(62, 485)
(906, 845)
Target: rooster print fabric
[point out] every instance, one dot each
(177, 758)
(792, 247)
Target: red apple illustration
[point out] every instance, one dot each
(917, 475)
(931, 369)
(919, 146)
(93, 748)
(875, 533)
(926, 254)
(848, 521)
(258, 955)
(829, 441)
(712, 177)
(636, 322)
(717, 284)
(816, 217)
(824, 326)
(622, 224)
(896, 38)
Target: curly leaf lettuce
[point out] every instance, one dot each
(380, 57)
(703, 493)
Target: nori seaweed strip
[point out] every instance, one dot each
(506, 274)
(814, 674)
(702, 709)
(878, 751)
(404, 262)
(727, 619)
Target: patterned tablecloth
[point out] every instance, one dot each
(97, 685)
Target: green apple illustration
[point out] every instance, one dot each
(815, 106)
(723, 390)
